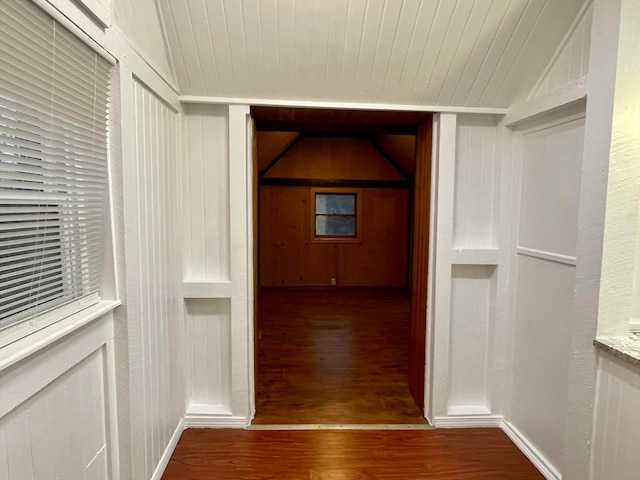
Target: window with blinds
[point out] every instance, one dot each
(54, 93)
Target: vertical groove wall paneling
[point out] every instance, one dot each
(152, 293)
(476, 183)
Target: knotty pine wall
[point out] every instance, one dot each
(288, 257)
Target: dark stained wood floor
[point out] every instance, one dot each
(333, 356)
(463, 454)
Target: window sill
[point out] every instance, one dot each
(26, 346)
(626, 348)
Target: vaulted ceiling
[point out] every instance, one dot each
(466, 53)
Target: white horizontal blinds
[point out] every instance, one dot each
(54, 93)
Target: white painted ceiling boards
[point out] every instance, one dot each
(466, 53)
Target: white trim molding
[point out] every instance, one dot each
(168, 452)
(213, 416)
(531, 452)
(269, 102)
(469, 421)
(550, 256)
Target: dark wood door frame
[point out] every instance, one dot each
(420, 263)
(419, 259)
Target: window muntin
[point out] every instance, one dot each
(335, 215)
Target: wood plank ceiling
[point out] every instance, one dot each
(464, 53)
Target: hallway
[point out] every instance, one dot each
(333, 356)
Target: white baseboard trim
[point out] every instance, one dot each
(469, 421)
(206, 420)
(531, 452)
(166, 456)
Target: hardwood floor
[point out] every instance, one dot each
(333, 356)
(469, 454)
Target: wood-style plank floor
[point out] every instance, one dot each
(469, 454)
(333, 356)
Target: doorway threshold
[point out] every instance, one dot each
(340, 426)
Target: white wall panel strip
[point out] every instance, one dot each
(241, 262)
(552, 257)
(444, 241)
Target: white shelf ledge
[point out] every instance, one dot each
(205, 289)
(467, 256)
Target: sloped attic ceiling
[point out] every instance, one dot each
(469, 53)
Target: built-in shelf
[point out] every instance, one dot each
(467, 256)
(204, 289)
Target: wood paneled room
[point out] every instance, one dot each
(313, 239)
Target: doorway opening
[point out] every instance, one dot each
(340, 326)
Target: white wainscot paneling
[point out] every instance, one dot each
(154, 290)
(550, 188)
(208, 336)
(206, 195)
(476, 183)
(54, 420)
(541, 354)
(472, 315)
(616, 433)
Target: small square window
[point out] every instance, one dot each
(335, 216)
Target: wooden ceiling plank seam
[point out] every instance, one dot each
(278, 157)
(342, 130)
(165, 42)
(478, 60)
(455, 32)
(389, 158)
(195, 53)
(393, 74)
(286, 58)
(434, 44)
(339, 183)
(270, 56)
(218, 42)
(382, 49)
(253, 45)
(516, 8)
(517, 42)
(366, 51)
(431, 16)
(320, 39)
(479, 51)
(303, 35)
(469, 40)
(207, 63)
(233, 44)
(184, 79)
(508, 75)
